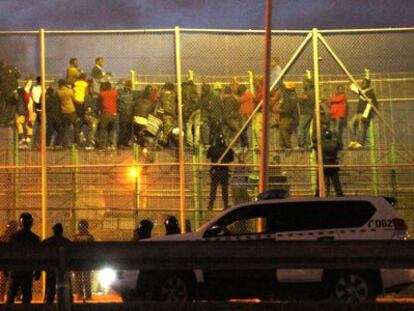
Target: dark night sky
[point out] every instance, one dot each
(225, 14)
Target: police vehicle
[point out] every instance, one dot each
(333, 218)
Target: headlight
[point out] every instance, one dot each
(107, 276)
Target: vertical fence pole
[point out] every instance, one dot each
(13, 159)
(74, 157)
(133, 80)
(43, 133)
(137, 194)
(180, 127)
(264, 156)
(373, 157)
(321, 181)
(43, 143)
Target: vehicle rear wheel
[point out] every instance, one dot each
(174, 288)
(353, 287)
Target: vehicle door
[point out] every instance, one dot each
(241, 224)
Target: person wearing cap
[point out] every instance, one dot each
(83, 285)
(330, 149)
(23, 280)
(56, 239)
(360, 121)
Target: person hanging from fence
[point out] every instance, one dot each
(24, 116)
(143, 231)
(168, 102)
(9, 84)
(219, 173)
(288, 112)
(360, 122)
(54, 127)
(191, 113)
(82, 279)
(275, 72)
(338, 113)
(69, 116)
(109, 116)
(11, 229)
(142, 109)
(56, 239)
(330, 149)
(306, 111)
(91, 118)
(36, 93)
(80, 92)
(246, 101)
(23, 280)
(73, 71)
(215, 112)
(99, 75)
(258, 117)
(232, 117)
(126, 103)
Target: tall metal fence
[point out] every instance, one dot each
(115, 189)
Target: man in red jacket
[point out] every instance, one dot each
(337, 105)
(109, 116)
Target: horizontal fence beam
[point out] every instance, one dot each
(259, 254)
(223, 31)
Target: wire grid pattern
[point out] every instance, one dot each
(102, 189)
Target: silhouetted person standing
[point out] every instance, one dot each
(330, 149)
(83, 286)
(56, 239)
(11, 228)
(143, 231)
(23, 280)
(219, 174)
(171, 225)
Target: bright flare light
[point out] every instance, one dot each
(133, 172)
(107, 276)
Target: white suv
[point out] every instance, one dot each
(338, 218)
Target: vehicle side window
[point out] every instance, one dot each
(316, 215)
(239, 222)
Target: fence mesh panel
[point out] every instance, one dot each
(113, 189)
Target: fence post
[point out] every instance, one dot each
(373, 157)
(74, 156)
(321, 179)
(43, 133)
(62, 281)
(137, 152)
(180, 126)
(133, 80)
(13, 159)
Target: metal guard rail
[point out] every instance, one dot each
(210, 254)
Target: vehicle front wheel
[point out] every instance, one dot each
(353, 287)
